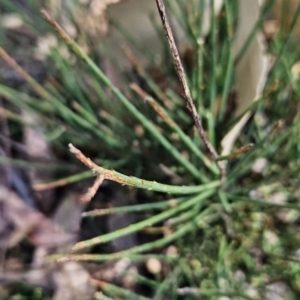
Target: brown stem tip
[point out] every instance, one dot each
(73, 149)
(85, 160)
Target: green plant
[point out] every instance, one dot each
(218, 227)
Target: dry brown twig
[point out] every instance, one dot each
(186, 91)
(85, 160)
(92, 190)
(90, 164)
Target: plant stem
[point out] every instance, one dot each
(140, 225)
(212, 84)
(62, 182)
(133, 208)
(140, 183)
(186, 91)
(183, 230)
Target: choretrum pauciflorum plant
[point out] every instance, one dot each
(218, 227)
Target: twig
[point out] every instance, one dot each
(140, 183)
(92, 190)
(61, 182)
(133, 208)
(236, 153)
(186, 91)
(90, 164)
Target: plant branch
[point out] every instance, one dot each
(61, 182)
(93, 189)
(186, 91)
(140, 183)
(133, 208)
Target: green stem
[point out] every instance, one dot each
(145, 247)
(227, 82)
(133, 208)
(64, 181)
(140, 225)
(153, 185)
(213, 83)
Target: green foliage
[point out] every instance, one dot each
(221, 231)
